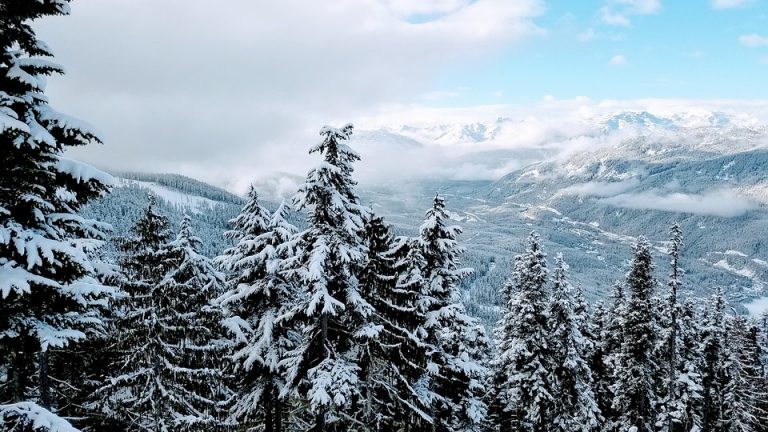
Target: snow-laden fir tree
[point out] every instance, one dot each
(524, 385)
(48, 285)
(713, 335)
(684, 407)
(455, 367)
(574, 408)
(635, 371)
(330, 310)
(165, 377)
(258, 300)
(601, 377)
(679, 388)
(744, 390)
(193, 282)
(416, 395)
(392, 357)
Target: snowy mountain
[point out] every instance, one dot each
(635, 174)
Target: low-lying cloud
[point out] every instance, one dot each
(722, 203)
(600, 189)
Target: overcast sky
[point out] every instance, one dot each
(234, 89)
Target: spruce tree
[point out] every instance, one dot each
(634, 377)
(456, 370)
(744, 389)
(411, 283)
(574, 408)
(713, 337)
(164, 377)
(392, 358)
(258, 300)
(50, 295)
(524, 387)
(684, 407)
(331, 311)
(668, 345)
(605, 358)
(193, 282)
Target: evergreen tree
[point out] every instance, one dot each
(162, 378)
(634, 377)
(597, 357)
(193, 282)
(712, 368)
(744, 389)
(524, 387)
(456, 373)
(418, 397)
(50, 295)
(684, 406)
(574, 408)
(607, 350)
(392, 358)
(258, 300)
(331, 311)
(668, 346)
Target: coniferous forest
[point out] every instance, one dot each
(333, 324)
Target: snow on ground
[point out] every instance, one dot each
(192, 202)
(757, 307)
(747, 273)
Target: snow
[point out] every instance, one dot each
(83, 172)
(40, 418)
(191, 202)
(745, 272)
(757, 307)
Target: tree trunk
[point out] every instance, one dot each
(45, 382)
(269, 408)
(320, 418)
(278, 412)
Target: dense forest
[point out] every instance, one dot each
(332, 323)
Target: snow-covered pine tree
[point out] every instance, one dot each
(713, 336)
(258, 300)
(607, 349)
(574, 408)
(331, 311)
(392, 358)
(744, 390)
(668, 343)
(48, 285)
(153, 385)
(416, 395)
(634, 384)
(192, 283)
(601, 377)
(684, 407)
(524, 386)
(456, 370)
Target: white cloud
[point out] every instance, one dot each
(220, 92)
(611, 17)
(722, 203)
(587, 35)
(617, 12)
(618, 60)
(408, 8)
(600, 189)
(753, 40)
(729, 4)
(641, 7)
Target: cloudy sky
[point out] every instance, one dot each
(232, 90)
